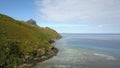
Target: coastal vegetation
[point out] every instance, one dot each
(21, 41)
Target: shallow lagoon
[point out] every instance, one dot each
(86, 51)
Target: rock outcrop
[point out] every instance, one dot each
(31, 62)
(31, 21)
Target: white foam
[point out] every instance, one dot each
(108, 57)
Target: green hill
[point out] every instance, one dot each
(19, 39)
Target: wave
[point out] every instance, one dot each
(108, 57)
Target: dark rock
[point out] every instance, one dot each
(51, 41)
(30, 63)
(31, 21)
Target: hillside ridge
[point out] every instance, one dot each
(20, 41)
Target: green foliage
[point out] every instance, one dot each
(18, 39)
(11, 55)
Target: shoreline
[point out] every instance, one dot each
(31, 63)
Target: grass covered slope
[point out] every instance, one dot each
(19, 39)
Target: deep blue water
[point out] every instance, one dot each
(86, 51)
(107, 42)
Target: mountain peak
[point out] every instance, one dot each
(31, 21)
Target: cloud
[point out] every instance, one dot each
(79, 10)
(81, 16)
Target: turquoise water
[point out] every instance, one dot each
(86, 51)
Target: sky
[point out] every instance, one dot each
(67, 16)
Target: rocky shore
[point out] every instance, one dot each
(32, 62)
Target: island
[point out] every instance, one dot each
(24, 43)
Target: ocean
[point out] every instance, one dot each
(85, 51)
